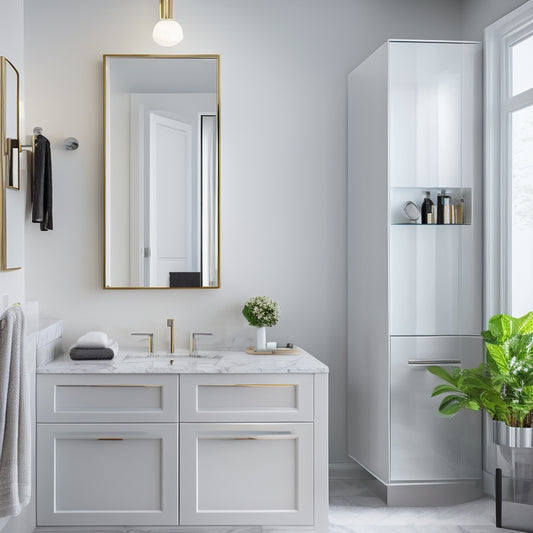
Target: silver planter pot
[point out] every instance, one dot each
(505, 435)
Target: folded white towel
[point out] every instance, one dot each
(93, 339)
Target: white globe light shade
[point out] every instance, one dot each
(167, 32)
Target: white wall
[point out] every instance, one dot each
(12, 47)
(478, 14)
(284, 65)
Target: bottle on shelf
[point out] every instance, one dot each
(427, 206)
(459, 211)
(443, 208)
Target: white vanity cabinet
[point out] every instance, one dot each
(107, 450)
(195, 444)
(236, 470)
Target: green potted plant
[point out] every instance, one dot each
(503, 386)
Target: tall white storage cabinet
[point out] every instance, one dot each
(415, 290)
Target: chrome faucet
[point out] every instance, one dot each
(170, 324)
(193, 351)
(150, 341)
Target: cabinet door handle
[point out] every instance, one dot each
(247, 385)
(431, 362)
(265, 437)
(110, 438)
(223, 435)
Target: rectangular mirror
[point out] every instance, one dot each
(12, 201)
(161, 129)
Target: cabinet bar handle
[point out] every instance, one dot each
(263, 437)
(110, 438)
(232, 436)
(431, 362)
(247, 385)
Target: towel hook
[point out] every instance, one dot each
(71, 143)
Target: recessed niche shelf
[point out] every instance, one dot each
(400, 195)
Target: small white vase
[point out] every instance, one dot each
(261, 339)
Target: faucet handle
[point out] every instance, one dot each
(170, 324)
(150, 340)
(192, 347)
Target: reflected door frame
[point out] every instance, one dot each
(498, 108)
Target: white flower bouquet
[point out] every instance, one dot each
(261, 311)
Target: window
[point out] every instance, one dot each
(509, 164)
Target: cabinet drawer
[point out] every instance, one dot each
(426, 446)
(107, 474)
(246, 398)
(235, 474)
(107, 398)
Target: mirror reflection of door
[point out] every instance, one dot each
(172, 218)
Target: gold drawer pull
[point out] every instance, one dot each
(264, 437)
(247, 385)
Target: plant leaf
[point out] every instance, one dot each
(451, 405)
(497, 358)
(525, 324)
(500, 326)
(440, 389)
(443, 374)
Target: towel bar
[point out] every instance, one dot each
(71, 143)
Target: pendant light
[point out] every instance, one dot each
(167, 32)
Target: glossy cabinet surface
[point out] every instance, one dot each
(434, 90)
(435, 281)
(426, 446)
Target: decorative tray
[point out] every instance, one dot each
(277, 351)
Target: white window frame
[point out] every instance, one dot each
(498, 106)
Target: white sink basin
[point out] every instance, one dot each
(135, 357)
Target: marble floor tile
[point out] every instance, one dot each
(355, 508)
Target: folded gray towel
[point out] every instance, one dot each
(86, 354)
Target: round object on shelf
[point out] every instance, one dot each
(411, 211)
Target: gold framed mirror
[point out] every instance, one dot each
(162, 171)
(11, 202)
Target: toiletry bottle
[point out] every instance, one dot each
(427, 204)
(443, 208)
(459, 219)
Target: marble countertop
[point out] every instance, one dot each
(220, 362)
